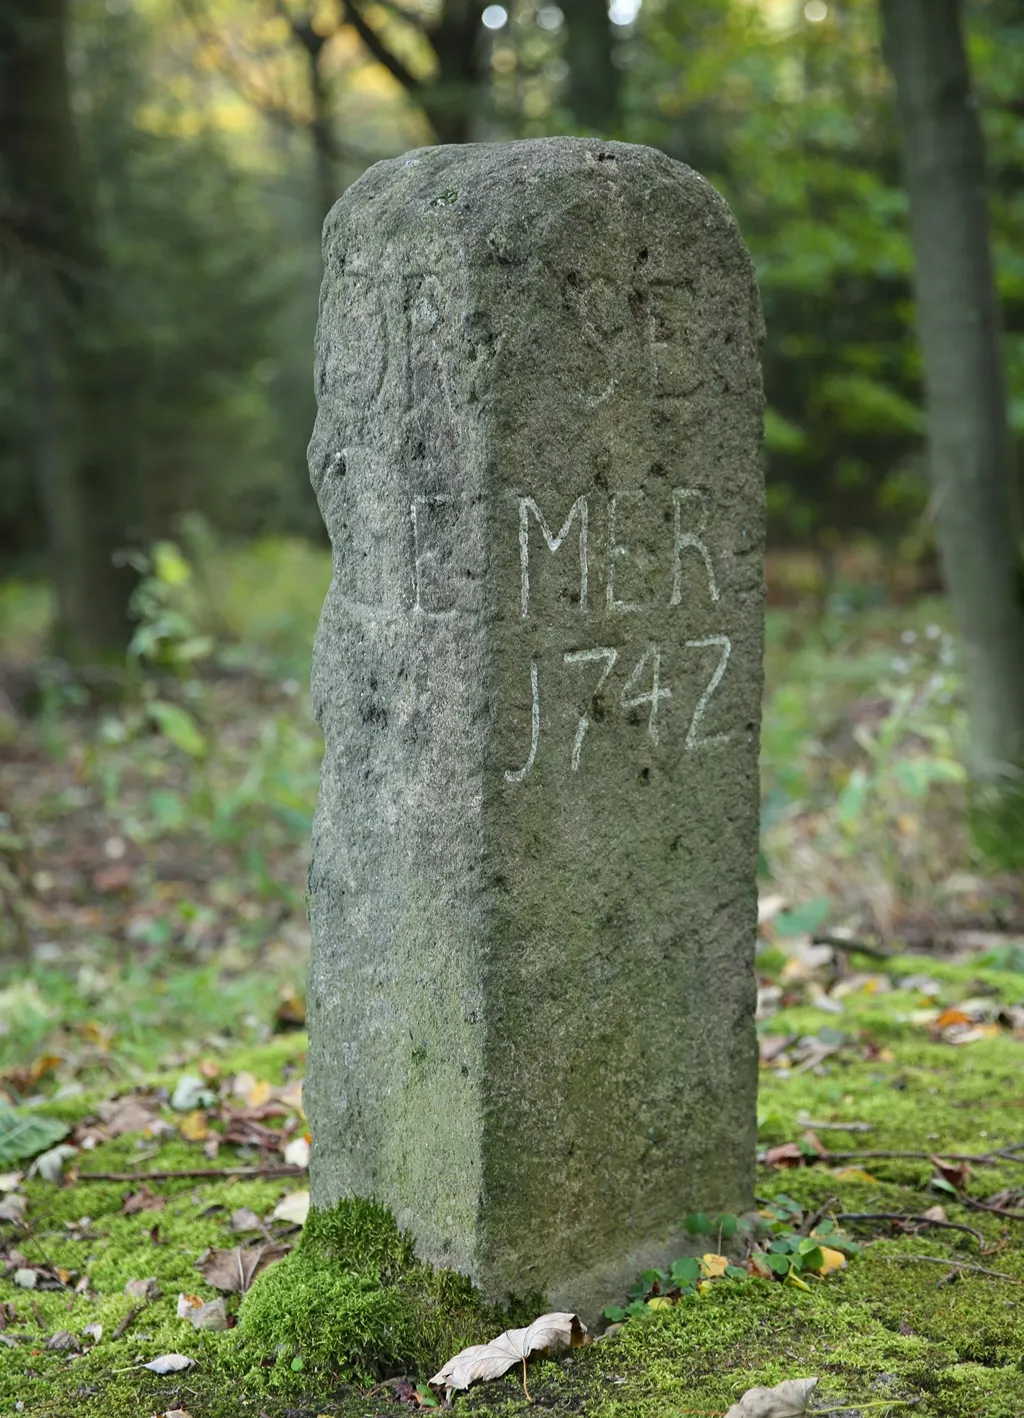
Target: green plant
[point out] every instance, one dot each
(776, 1248)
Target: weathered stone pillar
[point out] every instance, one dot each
(538, 673)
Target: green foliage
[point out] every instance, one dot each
(24, 1134)
(794, 122)
(775, 1246)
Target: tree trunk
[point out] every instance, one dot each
(976, 513)
(593, 79)
(84, 453)
(450, 101)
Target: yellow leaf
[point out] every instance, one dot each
(703, 1286)
(830, 1260)
(713, 1266)
(793, 1279)
(193, 1126)
(853, 1174)
(259, 1095)
(46, 1063)
(659, 1302)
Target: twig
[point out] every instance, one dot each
(911, 1220)
(988, 1159)
(853, 947)
(284, 1169)
(129, 1318)
(960, 1265)
(992, 1210)
(808, 1226)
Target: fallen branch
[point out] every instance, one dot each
(911, 1221)
(960, 1265)
(284, 1169)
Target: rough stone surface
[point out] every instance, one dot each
(538, 673)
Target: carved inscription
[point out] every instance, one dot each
(647, 685)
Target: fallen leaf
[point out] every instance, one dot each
(245, 1219)
(50, 1165)
(187, 1303)
(786, 1154)
(951, 1016)
(190, 1093)
(935, 1213)
(213, 1315)
(490, 1361)
(259, 1095)
(63, 1339)
(291, 1095)
(235, 1270)
(169, 1364)
(135, 1112)
(26, 1278)
(148, 1289)
(790, 1399)
(830, 1260)
(297, 1152)
(94, 1332)
(853, 1174)
(713, 1265)
(13, 1208)
(293, 1208)
(291, 1012)
(953, 1174)
(143, 1200)
(242, 1084)
(9, 1180)
(194, 1127)
(173, 1413)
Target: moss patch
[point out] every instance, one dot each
(353, 1302)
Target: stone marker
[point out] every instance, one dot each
(538, 674)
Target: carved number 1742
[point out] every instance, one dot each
(643, 688)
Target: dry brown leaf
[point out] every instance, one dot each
(490, 1361)
(213, 1315)
(235, 1270)
(148, 1289)
(136, 1112)
(245, 1219)
(143, 1200)
(790, 1399)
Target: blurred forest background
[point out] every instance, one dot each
(167, 168)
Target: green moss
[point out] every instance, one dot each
(352, 1301)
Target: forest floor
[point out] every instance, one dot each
(152, 869)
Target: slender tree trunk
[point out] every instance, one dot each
(594, 81)
(84, 452)
(970, 454)
(450, 101)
